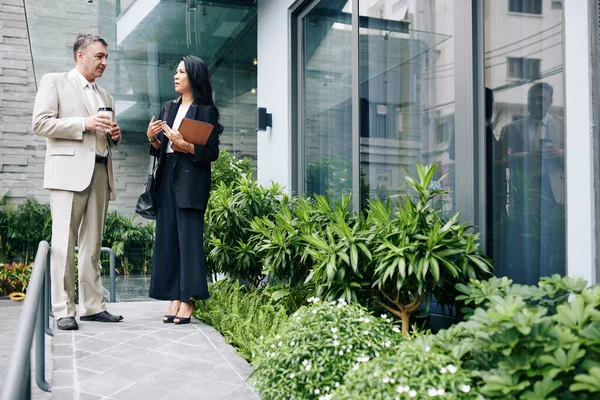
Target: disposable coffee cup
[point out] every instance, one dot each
(108, 111)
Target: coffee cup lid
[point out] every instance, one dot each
(105, 109)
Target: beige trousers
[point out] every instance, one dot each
(82, 215)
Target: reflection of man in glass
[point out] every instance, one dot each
(532, 149)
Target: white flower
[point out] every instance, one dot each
(304, 362)
(387, 343)
(327, 388)
(292, 376)
(443, 370)
(313, 300)
(317, 391)
(402, 389)
(279, 344)
(465, 388)
(412, 393)
(334, 330)
(440, 392)
(341, 300)
(392, 381)
(261, 337)
(349, 347)
(355, 367)
(278, 337)
(363, 359)
(432, 392)
(314, 311)
(307, 367)
(341, 352)
(336, 343)
(337, 384)
(292, 343)
(272, 346)
(384, 316)
(386, 379)
(451, 368)
(396, 329)
(365, 332)
(325, 397)
(427, 348)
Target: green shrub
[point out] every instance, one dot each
(311, 353)
(22, 227)
(412, 372)
(14, 278)
(529, 342)
(228, 233)
(241, 316)
(228, 168)
(131, 243)
(402, 257)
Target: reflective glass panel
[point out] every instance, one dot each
(524, 138)
(406, 94)
(327, 98)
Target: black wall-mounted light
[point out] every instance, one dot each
(263, 119)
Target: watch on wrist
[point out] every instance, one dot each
(154, 139)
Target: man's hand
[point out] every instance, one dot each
(552, 152)
(115, 132)
(98, 122)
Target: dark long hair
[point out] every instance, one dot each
(198, 76)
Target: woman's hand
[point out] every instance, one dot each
(154, 128)
(174, 136)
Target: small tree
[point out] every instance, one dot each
(418, 252)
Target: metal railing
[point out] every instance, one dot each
(35, 318)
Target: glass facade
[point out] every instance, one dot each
(417, 102)
(327, 99)
(146, 40)
(524, 135)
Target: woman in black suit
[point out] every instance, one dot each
(182, 188)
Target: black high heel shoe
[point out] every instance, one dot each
(182, 320)
(168, 319)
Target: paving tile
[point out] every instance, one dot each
(147, 342)
(242, 393)
(89, 396)
(82, 374)
(225, 373)
(105, 384)
(93, 345)
(99, 362)
(133, 371)
(63, 394)
(205, 389)
(62, 363)
(62, 379)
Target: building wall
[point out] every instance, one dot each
(21, 154)
(274, 147)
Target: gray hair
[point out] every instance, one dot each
(83, 40)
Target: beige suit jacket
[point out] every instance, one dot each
(59, 107)
(518, 136)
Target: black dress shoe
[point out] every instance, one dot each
(103, 316)
(67, 324)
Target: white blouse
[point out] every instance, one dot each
(178, 118)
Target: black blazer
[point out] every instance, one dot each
(191, 177)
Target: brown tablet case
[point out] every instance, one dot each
(195, 132)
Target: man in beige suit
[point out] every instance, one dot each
(533, 152)
(79, 176)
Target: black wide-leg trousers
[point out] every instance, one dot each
(178, 261)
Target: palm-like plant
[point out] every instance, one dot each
(418, 252)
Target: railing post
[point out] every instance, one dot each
(17, 381)
(40, 347)
(47, 305)
(48, 297)
(113, 274)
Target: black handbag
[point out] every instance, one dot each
(146, 205)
